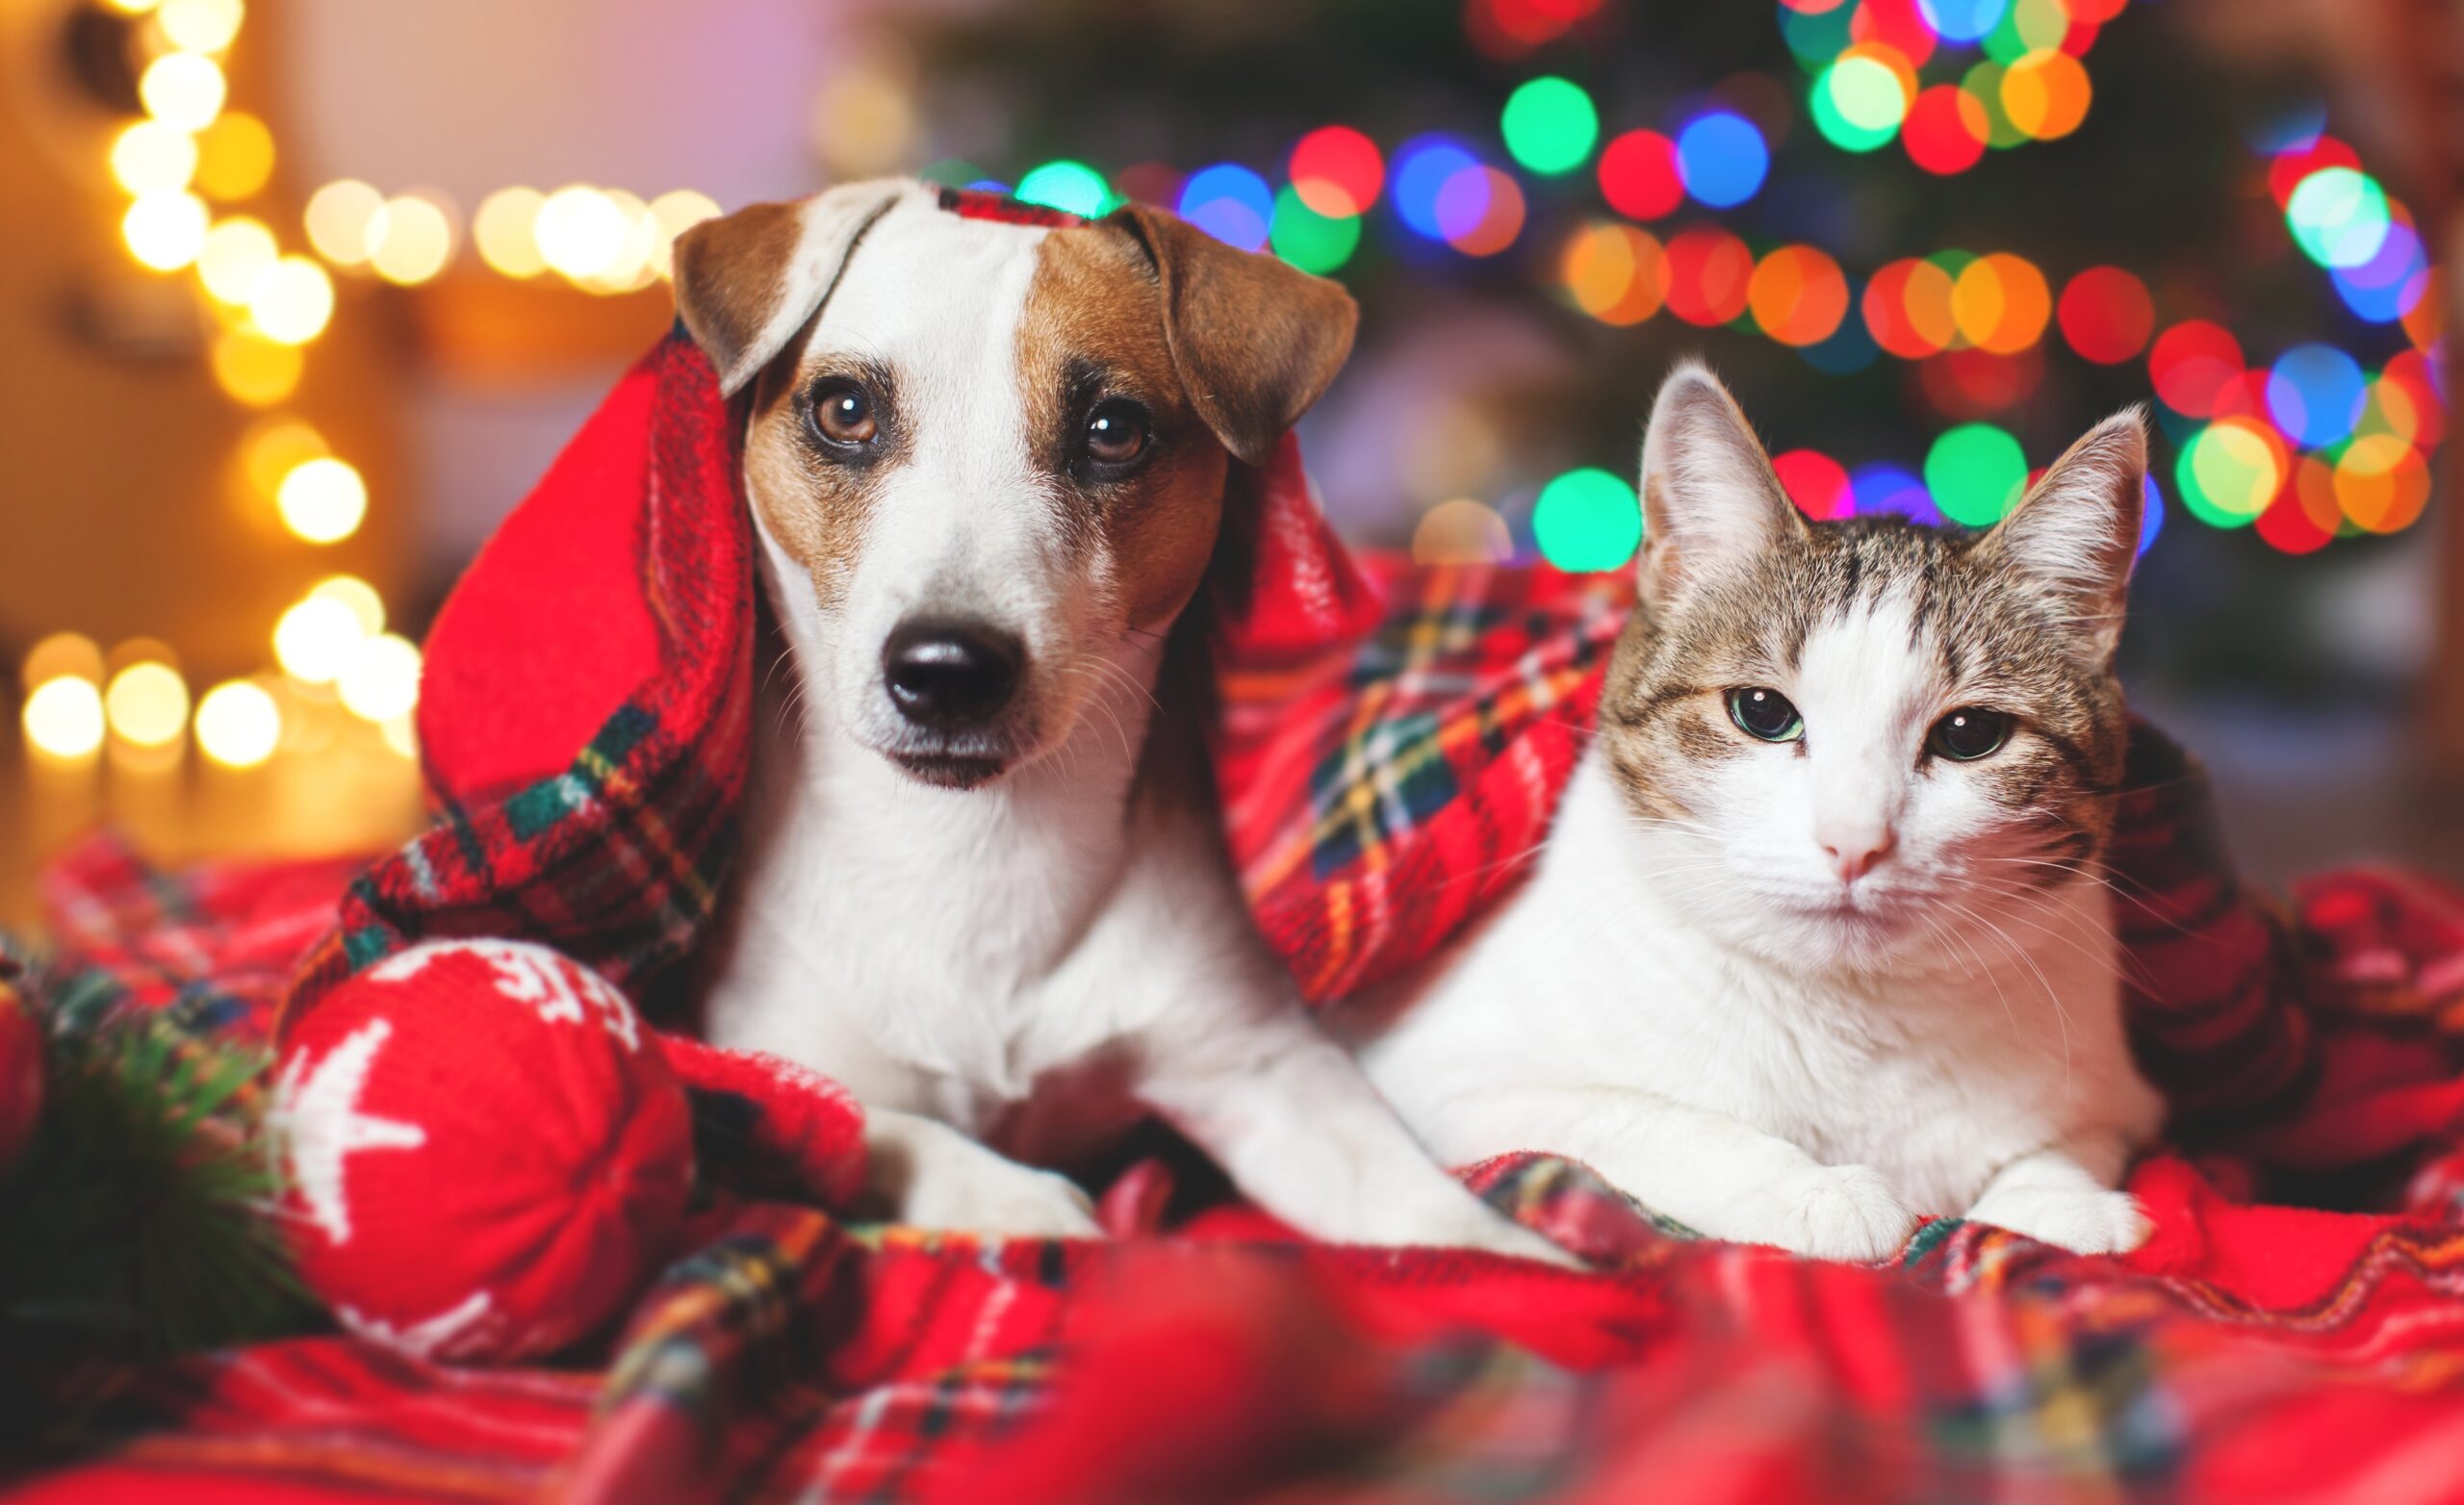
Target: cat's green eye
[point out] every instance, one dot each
(1766, 714)
(1968, 733)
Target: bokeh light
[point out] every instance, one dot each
(1639, 177)
(1337, 172)
(2383, 289)
(1945, 129)
(2381, 483)
(1722, 159)
(2230, 471)
(235, 254)
(1816, 483)
(2106, 313)
(1481, 211)
(183, 89)
(339, 219)
(148, 705)
(2045, 93)
(1709, 274)
(63, 717)
(316, 638)
(580, 232)
(366, 607)
(2338, 217)
(1908, 308)
(2306, 516)
(322, 500)
(1461, 533)
(2000, 303)
(234, 156)
(2151, 512)
(252, 369)
(1550, 125)
(415, 241)
(2314, 394)
(1070, 187)
(2191, 364)
(165, 230)
(1423, 168)
(1975, 474)
(1859, 101)
(381, 679)
(505, 231)
(200, 25)
(150, 157)
(1882, 490)
(237, 723)
(1230, 203)
(291, 300)
(1616, 273)
(1962, 20)
(1308, 240)
(1588, 519)
(1798, 297)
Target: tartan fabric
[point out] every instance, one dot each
(2249, 1351)
(1382, 787)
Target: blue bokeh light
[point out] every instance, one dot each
(1882, 490)
(2314, 394)
(2151, 511)
(2383, 289)
(1962, 20)
(1722, 157)
(1230, 203)
(1423, 168)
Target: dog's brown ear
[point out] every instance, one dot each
(1255, 341)
(745, 283)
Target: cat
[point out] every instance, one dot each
(1819, 940)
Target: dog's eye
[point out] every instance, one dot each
(1968, 734)
(842, 414)
(1116, 432)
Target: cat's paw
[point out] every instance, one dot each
(1834, 1213)
(987, 1194)
(2068, 1217)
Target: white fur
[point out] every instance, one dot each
(1035, 961)
(1750, 1032)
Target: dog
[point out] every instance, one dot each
(983, 886)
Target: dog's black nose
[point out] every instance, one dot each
(945, 675)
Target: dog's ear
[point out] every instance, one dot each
(1255, 341)
(747, 282)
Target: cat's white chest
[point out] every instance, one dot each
(1593, 983)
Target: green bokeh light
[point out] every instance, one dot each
(1867, 94)
(1071, 187)
(1976, 472)
(1830, 99)
(1985, 81)
(1550, 125)
(2338, 217)
(1309, 240)
(2027, 26)
(1588, 519)
(2227, 476)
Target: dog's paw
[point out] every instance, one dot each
(1000, 1197)
(2077, 1219)
(1831, 1212)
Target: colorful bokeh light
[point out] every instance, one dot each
(1550, 125)
(2191, 364)
(1639, 177)
(1976, 472)
(1616, 273)
(1422, 167)
(1816, 483)
(2338, 217)
(1709, 271)
(1230, 203)
(1722, 159)
(2230, 471)
(1945, 129)
(2316, 394)
(1962, 21)
(2106, 313)
(1798, 297)
(1070, 187)
(1308, 240)
(1337, 172)
(1588, 519)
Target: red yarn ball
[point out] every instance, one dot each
(486, 1154)
(21, 1072)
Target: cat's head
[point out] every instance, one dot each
(1841, 740)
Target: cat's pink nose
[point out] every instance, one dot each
(1852, 857)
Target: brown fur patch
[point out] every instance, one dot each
(1092, 330)
(730, 273)
(815, 507)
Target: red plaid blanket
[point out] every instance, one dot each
(2250, 1351)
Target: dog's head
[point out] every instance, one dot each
(987, 459)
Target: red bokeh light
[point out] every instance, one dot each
(2286, 172)
(1638, 175)
(1945, 129)
(1816, 483)
(1337, 172)
(1708, 272)
(2304, 515)
(1897, 25)
(2107, 315)
(2191, 364)
(1971, 383)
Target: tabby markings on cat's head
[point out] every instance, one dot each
(1856, 734)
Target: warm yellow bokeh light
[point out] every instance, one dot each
(291, 300)
(401, 733)
(182, 89)
(131, 6)
(580, 231)
(64, 717)
(365, 605)
(236, 253)
(235, 156)
(150, 157)
(1461, 533)
(63, 654)
(414, 240)
(504, 230)
(631, 266)
(148, 705)
(165, 231)
(382, 680)
(253, 369)
(200, 25)
(322, 500)
(672, 213)
(339, 219)
(315, 639)
(274, 447)
(237, 723)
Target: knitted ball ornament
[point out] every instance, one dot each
(486, 1153)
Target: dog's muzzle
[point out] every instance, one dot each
(950, 680)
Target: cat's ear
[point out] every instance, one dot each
(2076, 531)
(1711, 500)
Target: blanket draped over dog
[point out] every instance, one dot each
(1390, 744)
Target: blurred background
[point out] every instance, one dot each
(298, 296)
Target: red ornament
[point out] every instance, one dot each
(486, 1151)
(21, 1071)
